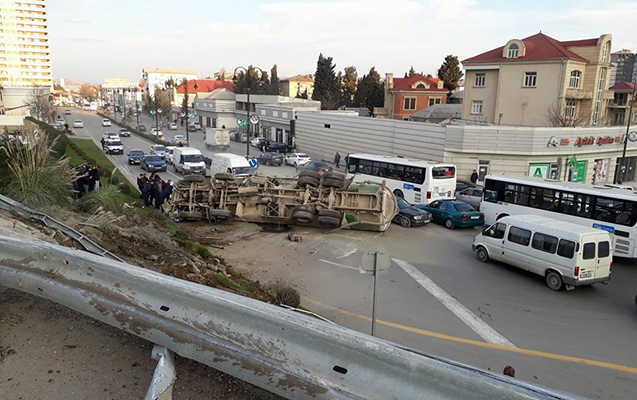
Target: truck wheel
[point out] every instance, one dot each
(334, 175)
(224, 176)
(554, 280)
(310, 173)
(329, 222)
(325, 212)
(331, 182)
(302, 217)
(308, 181)
(482, 255)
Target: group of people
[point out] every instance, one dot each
(155, 191)
(87, 179)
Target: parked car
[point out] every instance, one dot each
(318, 166)
(78, 123)
(135, 156)
(168, 156)
(297, 159)
(271, 145)
(179, 139)
(256, 142)
(67, 112)
(270, 158)
(158, 149)
(472, 196)
(106, 122)
(153, 162)
(124, 132)
(156, 132)
(409, 215)
(192, 128)
(172, 126)
(243, 138)
(141, 128)
(462, 185)
(453, 213)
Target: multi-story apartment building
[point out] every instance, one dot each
(406, 96)
(25, 56)
(624, 67)
(527, 81)
(153, 77)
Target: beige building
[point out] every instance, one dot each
(297, 86)
(540, 81)
(25, 55)
(153, 77)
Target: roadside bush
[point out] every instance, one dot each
(92, 161)
(106, 173)
(107, 198)
(286, 295)
(124, 188)
(114, 180)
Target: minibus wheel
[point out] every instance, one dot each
(554, 280)
(482, 255)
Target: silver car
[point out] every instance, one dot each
(472, 196)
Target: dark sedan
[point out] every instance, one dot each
(270, 145)
(409, 215)
(153, 163)
(454, 213)
(135, 156)
(318, 166)
(270, 158)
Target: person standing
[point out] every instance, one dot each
(166, 191)
(474, 177)
(94, 176)
(337, 160)
(153, 194)
(146, 193)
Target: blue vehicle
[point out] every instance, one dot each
(454, 213)
(153, 163)
(135, 156)
(408, 215)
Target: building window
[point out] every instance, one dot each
(570, 109)
(575, 78)
(635, 116)
(605, 52)
(530, 79)
(434, 100)
(514, 51)
(409, 103)
(476, 107)
(480, 79)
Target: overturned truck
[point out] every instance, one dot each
(327, 200)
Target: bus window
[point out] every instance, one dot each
(443, 172)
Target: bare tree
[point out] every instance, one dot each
(556, 115)
(40, 104)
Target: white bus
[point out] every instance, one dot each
(610, 209)
(417, 181)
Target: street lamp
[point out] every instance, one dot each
(186, 108)
(624, 167)
(247, 88)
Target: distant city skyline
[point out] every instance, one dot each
(92, 40)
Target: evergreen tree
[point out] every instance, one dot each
(250, 81)
(450, 72)
(326, 89)
(274, 81)
(412, 71)
(348, 85)
(184, 102)
(370, 92)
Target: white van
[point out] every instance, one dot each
(230, 163)
(562, 252)
(188, 160)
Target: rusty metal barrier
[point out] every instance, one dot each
(295, 356)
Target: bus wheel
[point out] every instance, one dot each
(482, 255)
(399, 193)
(553, 280)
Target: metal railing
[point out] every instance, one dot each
(295, 356)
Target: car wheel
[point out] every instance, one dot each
(449, 223)
(405, 222)
(482, 255)
(553, 280)
(399, 193)
(296, 164)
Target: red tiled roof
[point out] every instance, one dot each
(579, 43)
(205, 86)
(404, 84)
(538, 47)
(623, 86)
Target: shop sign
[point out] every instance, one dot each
(539, 170)
(553, 142)
(599, 140)
(601, 170)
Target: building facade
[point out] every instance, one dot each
(25, 54)
(157, 77)
(297, 85)
(619, 107)
(406, 96)
(540, 81)
(624, 67)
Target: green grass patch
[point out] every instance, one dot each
(194, 248)
(230, 284)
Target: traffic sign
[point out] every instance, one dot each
(241, 122)
(252, 162)
(152, 112)
(191, 115)
(254, 119)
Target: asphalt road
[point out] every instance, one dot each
(436, 297)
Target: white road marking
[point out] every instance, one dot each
(347, 254)
(357, 268)
(470, 319)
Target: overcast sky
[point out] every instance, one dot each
(96, 39)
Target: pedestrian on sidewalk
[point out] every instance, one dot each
(337, 160)
(474, 177)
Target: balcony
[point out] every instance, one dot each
(579, 94)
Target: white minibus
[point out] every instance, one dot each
(562, 252)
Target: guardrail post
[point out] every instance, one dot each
(161, 386)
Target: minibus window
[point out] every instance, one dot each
(519, 236)
(544, 242)
(496, 231)
(589, 251)
(603, 249)
(566, 248)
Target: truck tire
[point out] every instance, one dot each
(334, 175)
(302, 217)
(307, 181)
(309, 173)
(220, 213)
(224, 176)
(329, 222)
(335, 183)
(193, 178)
(325, 212)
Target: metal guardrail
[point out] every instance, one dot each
(161, 386)
(295, 356)
(25, 212)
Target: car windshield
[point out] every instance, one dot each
(123, 130)
(241, 170)
(115, 143)
(301, 155)
(160, 148)
(463, 207)
(154, 158)
(193, 158)
(402, 203)
(137, 153)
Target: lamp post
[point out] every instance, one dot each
(114, 106)
(624, 167)
(124, 104)
(247, 76)
(186, 108)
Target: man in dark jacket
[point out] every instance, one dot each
(94, 177)
(146, 193)
(141, 182)
(166, 191)
(153, 197)
(474, 177)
